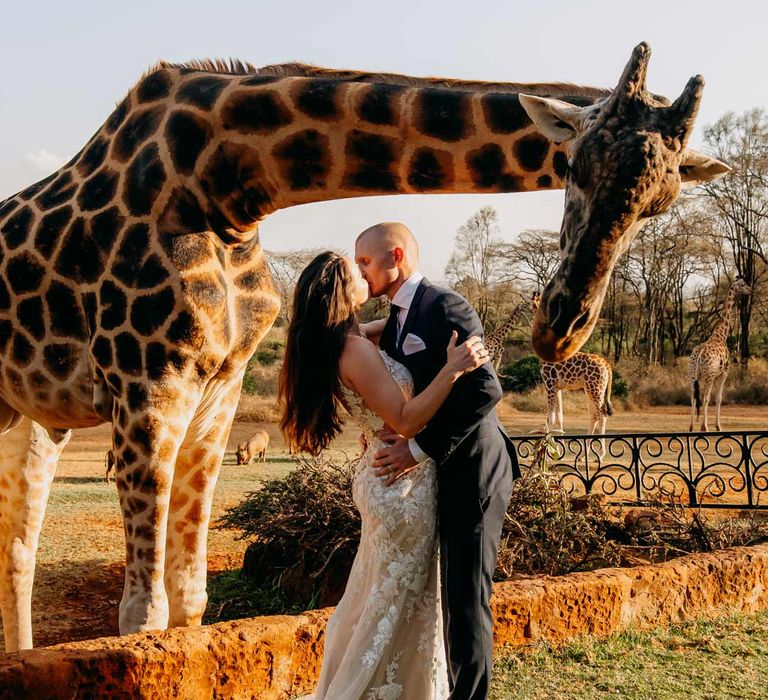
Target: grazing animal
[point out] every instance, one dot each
(711, 360)
(133, 288)
(494, 340)
(255, 447)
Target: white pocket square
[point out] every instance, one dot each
(412, 344)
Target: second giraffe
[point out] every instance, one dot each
(583, 370)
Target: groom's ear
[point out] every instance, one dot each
(397, 254)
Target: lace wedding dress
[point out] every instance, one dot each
(384, 641)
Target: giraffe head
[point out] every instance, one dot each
(740, 287)
(627, 160)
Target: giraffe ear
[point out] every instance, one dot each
(559, 121)
(696, 168)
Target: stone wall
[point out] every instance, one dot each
(279, 657)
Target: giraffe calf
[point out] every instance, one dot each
(255, 447)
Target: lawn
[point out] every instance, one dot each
(715, 659)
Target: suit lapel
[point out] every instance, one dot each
(413, 312)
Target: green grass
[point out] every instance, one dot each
(715, 659)
(232, 596)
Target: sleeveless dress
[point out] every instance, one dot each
(384, 641)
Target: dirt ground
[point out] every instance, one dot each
(79, 573)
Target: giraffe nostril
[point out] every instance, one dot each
(581, 321)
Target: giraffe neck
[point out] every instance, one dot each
(723, 326)
(245, 146)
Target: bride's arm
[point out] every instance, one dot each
(373, 329)
(362, 368)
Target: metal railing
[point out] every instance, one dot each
(708, 470)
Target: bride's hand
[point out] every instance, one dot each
(466, 357)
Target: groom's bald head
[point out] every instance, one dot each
(387, 254)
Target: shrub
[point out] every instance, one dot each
(261, 381)
(269, 352)
(304, 530)
(522, 375)
(620, 388)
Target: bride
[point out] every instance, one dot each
(385, 639)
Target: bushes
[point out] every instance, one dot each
(522, 375)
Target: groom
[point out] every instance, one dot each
(476, 460)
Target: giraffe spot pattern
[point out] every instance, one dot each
(22, 350)
(136, 130)
(560, 164)
(58, 192)
(429, 169)
(101, 349)
(24, 273)
(504, 114)
(118, 116)
(61, 358)
(201, 92)
(150, 312)
(16, 229)
(260, 112)
(489, 169)
(378, 104)
(128, 353)
(93, 157)
(49, 230)
(98, 191)
(530, 151)
(144, 181)
(186, 135)
(303, 159)
(113, 303)
(317, 98)
(442, 114)
(67, 319)
(370, 158)
(30, 315)
(154, 87)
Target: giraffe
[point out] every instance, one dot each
(134, 289)
(582, 370)
(494, 341)
(710, 360)
(640, 141)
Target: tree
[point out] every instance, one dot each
(477, 265)
(286, 267)
(535, 255)
(740, 202)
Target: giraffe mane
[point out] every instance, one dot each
(234, 66)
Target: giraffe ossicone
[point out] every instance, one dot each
(133, 288)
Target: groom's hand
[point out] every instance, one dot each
(393, 462)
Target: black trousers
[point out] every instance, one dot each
(470, 530)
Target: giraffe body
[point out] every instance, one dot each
(494, 340)
(710, 361)
(133, 288)
(583, 371)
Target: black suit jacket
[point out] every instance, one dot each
(464, 437)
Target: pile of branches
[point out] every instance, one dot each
(303, 531)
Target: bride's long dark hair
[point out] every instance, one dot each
(310, 388)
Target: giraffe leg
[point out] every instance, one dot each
(560, 409)
(147, 440)
(28, 457)
(197, 469)
(693, 407)
(706, 391)
(551, 409)
(719, 397)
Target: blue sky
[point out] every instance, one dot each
(66, 64)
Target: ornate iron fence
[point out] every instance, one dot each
(709, 470)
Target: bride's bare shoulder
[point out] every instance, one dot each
(359, 354)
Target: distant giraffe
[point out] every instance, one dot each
(133, 287)
(494, 340)
(583, 370)
(710, 361)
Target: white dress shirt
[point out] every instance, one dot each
(403, 299)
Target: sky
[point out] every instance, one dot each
(66, 65)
